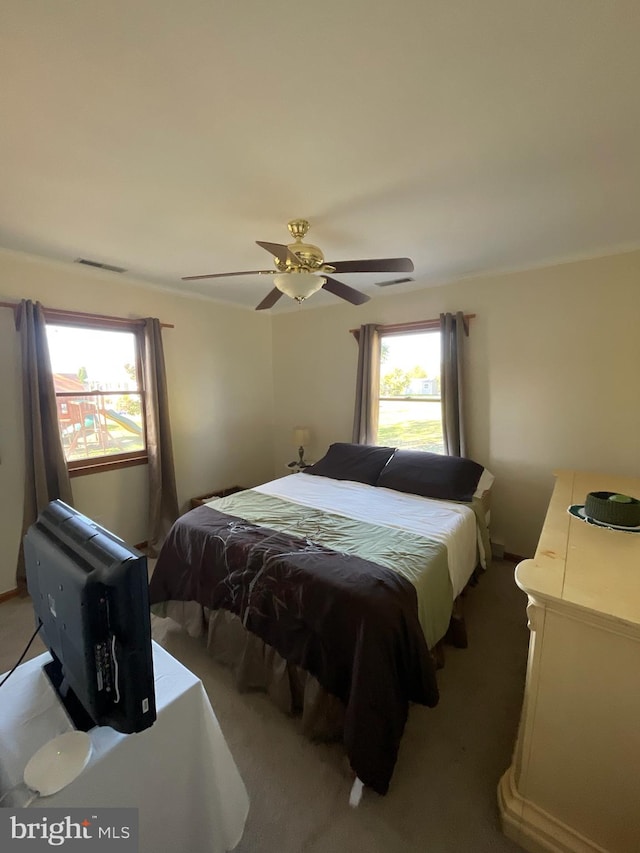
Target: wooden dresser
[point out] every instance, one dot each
(574, 782)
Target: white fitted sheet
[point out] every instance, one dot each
(451, 523)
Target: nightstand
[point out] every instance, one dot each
(221, 493)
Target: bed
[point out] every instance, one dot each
(332, 585)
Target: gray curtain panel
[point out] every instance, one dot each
(46, 474)
(163, 500)
(365, 419)
(452, 333)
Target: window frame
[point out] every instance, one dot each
(112, 461)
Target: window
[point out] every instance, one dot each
(99, 395)
(410, 414)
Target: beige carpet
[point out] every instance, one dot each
(443, 792)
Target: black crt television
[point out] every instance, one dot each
(90, 591)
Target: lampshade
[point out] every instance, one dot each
(298, 285)
(301, 436)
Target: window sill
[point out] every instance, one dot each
(81, 468)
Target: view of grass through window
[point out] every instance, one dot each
(98, 393)
(410, 415)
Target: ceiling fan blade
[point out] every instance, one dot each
(227, 274)
(345, 292)
(280, 252)
(374, 265)
(270, 299)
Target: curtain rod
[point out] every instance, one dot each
(415, 326)
(61, 314)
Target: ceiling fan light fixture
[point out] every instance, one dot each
(298, 285)
(298, 264)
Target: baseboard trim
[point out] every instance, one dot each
(534, 829)
(512, 558)
(5, 596)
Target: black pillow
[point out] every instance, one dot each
(431, 475)
(361, 463)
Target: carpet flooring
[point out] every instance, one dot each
(442, 797)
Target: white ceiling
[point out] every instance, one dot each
(166, 136)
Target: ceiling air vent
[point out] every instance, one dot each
(393, 281)
(99, 265)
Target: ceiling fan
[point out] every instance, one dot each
(301, 270)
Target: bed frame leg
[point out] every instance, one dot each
(356, 793)
(457, 633)
(437, 654)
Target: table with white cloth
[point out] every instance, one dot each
(179, 773)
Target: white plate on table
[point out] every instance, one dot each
(56, 764)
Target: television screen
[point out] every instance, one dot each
(90, 591)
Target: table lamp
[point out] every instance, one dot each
(301, 436)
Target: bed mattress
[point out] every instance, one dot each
(450, 523)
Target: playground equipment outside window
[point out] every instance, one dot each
(99, 395)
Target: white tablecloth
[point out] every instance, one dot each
(179, 773)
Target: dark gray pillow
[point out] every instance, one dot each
(431, 475)
(361, 463)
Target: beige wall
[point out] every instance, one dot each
(219, 370)
(552, 362)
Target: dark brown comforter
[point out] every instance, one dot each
(349, 622)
